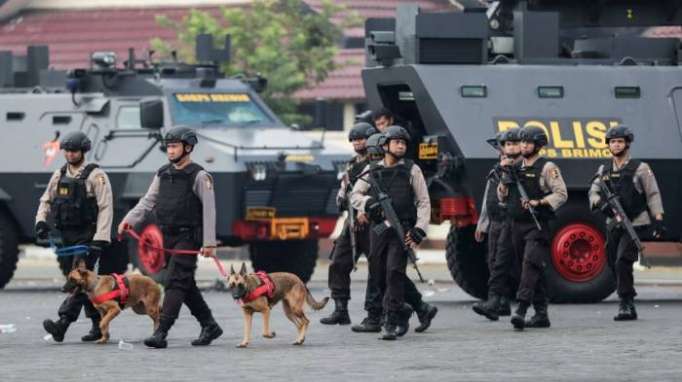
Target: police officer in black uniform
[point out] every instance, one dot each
(635, 185)
(182, 197)
(404, 182)
(79, 198)
(492, 224)
(342, 254)
(547, 192)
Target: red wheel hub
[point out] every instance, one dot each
(578, 252)
(149, 250)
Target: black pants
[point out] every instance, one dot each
(533, 245)
(503, 260)
(180, 285)
(622, 254)
(387, 274)
(71, 307)
(341, 265)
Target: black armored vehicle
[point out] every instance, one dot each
(573, 68)
(275, 186)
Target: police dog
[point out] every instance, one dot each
(143, 296)
(287, 287)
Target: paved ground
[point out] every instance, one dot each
(583, 343)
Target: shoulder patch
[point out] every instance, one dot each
(101, 179)
(554, 173)
(209, 182)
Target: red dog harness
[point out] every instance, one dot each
(266, 288)
(121, 293)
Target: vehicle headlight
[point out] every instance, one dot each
(259, 172)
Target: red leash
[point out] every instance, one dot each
(152, 239)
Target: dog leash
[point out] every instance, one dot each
(71, 250)
(148, 245)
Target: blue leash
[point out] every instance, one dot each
(72, 250)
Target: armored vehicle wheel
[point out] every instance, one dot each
(467, 261)
(295, 256)
(9, 250)
(578, 269)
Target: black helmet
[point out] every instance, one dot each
(181, 134)
(534, 134)
(511, 135)
(75, 141)
(620, 132)
(396, 132)
(374, 143)
(361, 130)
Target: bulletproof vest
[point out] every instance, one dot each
(73, 208)
(355, 168)
(395, 182)
(178, 206)
(492, 205)
(622, 184)
(529, 177)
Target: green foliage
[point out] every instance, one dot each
(286, 42)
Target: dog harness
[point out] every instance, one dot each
(266, 288)
(120, 293)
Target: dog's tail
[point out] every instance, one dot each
(315, 304)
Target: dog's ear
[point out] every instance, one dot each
(232, 270)
(243, 270)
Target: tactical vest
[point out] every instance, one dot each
(492, 205)
(178, 206)
(395, 182)
(529, 177)
(622, 184)
(74, 209)
(355, 169)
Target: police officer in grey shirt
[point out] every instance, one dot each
(79, 198)
(182, 198)
(635, 185)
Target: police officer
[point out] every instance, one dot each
(182, 198)
(546, 192)
(342, 254)
(491, 224)
(635, 185)
(383, 118)
(404, 183)
(79, 198)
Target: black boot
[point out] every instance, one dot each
(209, 332)
(489, 309)
(540, 319)
(95, 333)
(626, 311)
(340, 314)
(371, 324)
(56, 328)
(390, 330)
(425, 313)
(518, 319)
(504, 309)
(157, 340)
(403, 324)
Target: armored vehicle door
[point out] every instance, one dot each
(119, 139)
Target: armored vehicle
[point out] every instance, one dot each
(275, 186)
(573, 68)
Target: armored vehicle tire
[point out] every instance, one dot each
(294, 256)
(578, 270)
(467, 261)
(9, 250)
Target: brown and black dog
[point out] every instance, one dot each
(287, 287)
(144, 296)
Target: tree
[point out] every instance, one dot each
(284, 40)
